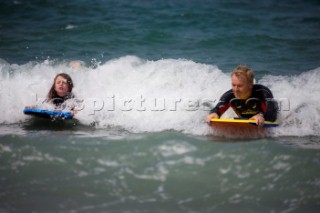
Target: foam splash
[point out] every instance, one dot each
(298, 97)
(152, 96)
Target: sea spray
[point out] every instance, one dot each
(151, 96)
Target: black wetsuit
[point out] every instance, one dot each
(260, 101)
(57, 100)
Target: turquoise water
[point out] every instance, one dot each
(149, 70)
(270, 36)
(156, 172)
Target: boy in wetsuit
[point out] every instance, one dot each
(254, 102)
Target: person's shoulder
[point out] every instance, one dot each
(262, 88)
(228, 94)
(228, 91)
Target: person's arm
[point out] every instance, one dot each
(220, 108)
(210, 116)
(31, 107)
(269, 106)
(271, 110)
(259, 118)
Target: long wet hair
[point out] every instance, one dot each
(52, 92)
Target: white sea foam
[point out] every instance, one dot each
(152, 96)
(173, 148)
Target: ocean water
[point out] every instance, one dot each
(149, 72)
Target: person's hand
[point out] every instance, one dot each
(31, 107)
(73, 112)
(210, 116)
(258, 118)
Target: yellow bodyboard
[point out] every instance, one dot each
(241, 122)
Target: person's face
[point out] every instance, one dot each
(61, 86)
(241, 87)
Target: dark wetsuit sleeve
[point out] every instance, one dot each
(223, 104)
(270, 108)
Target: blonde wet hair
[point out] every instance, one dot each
(244, 70)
